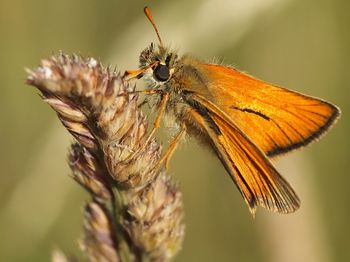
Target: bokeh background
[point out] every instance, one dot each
(302, 45)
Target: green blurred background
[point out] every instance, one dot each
(302, 45)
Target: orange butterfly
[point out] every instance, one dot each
(244, 120)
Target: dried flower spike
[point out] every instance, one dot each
(136, 210)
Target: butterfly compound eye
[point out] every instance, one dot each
(161, 72)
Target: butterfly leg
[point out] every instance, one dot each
(146, 92)
(161, 110)
(165, 159)
(145, 101)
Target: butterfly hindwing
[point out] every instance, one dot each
(257, 179)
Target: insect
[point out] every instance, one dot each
(244, 120)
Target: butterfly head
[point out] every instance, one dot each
(160, 62)
(157, 63)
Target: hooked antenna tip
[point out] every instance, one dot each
(148, 14)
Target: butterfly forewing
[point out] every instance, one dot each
(277, 120)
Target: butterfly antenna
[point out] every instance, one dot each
(150, 18)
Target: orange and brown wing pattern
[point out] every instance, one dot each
(277, 120)
(257, 179)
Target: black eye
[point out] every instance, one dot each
(161, 72)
